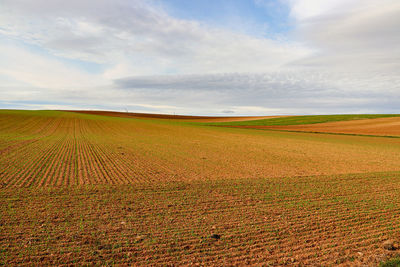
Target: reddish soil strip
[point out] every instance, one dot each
(174, 117)
(381, 126)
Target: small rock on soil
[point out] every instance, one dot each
(391, 244)
(216, 236)
(139, 238)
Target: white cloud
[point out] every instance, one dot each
(39, 71)
(306, 9)
(151, 40)
(357, 35)
(343, 56)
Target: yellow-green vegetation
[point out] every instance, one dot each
(395, 262)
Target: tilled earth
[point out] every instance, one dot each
(79, 189)
(379, 127)
(325, 220)
(46, 149)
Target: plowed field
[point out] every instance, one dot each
(174, 117)
(90, 189)
(381, 126)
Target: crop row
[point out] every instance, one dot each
(67, 152)
(173, 223)
(63, 149)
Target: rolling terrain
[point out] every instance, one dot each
(379, 126)
(174, 117)
(99, 188)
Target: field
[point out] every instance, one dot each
(80, 188)
(378, 126)
(304, 120)
(174, 117)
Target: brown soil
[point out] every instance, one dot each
(84, 190)
(309, 221)
(174, 117)
(381, 126)
(75, 150)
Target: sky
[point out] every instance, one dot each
(201, 57)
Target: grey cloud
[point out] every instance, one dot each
(274, 81)
(291, 90)
(252, 94)
(353, 67)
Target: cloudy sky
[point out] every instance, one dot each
(202, 57)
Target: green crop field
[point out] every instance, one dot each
(82, 189)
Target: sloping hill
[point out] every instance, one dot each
(173, 117)
(53, 148)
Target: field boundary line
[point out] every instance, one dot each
(313, 132)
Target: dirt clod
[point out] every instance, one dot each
(139, 238)
(391, 244)
(216, 236)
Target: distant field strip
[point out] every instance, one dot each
(62, 148)
(316, 221)
(299, 120)
(377, 127)
(174, 117)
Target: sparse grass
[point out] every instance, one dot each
(391, 263)
(249, 224)
(74, 149)
(93, 190)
